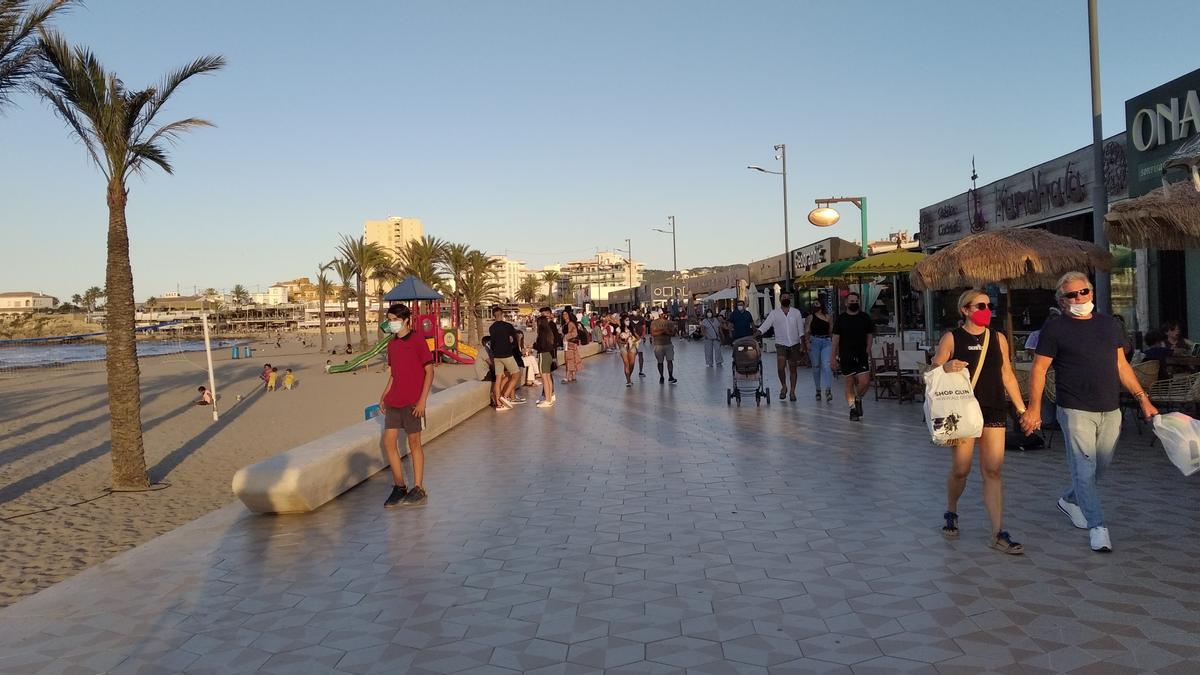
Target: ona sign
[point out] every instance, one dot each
(1167, 122)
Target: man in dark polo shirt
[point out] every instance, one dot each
(403, 403)
(504, 347)
(1087, 351)
(850, 354)
(742, 320)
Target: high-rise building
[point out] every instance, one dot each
(510, 274)
(392, 233)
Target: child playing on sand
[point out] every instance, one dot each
(265, 376)
(289, 380)
(205, 396)
(271, 378)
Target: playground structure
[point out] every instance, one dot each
(426, 305)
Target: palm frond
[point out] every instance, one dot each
(173, 80)
(19, 62)
(140, 153)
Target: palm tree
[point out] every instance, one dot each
(365, 258)
(92, 297)
(19, 25)
(528, 290)
(77, 300)
(118, 128)
(240, 294)
(550, 278)
(479, 285)
(345, 271)
(324, 288)
(385, 274)
(421, 258)
(455, 261)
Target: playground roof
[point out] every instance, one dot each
(411, 288)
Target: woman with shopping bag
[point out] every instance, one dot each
(983, 354)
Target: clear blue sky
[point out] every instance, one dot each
(551, 128)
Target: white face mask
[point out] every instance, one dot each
(395, 326)
(1082, 309)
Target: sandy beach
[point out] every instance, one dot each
(55, 516)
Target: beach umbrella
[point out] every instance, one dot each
(894, 263)
(1013, 258)
(1165, 218)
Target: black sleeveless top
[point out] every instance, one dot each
(818, 327)
(989, 390)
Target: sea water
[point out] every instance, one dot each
(32, 356)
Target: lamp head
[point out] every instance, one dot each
(823, 216)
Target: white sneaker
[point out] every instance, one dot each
(502, 408)
(1100, 541)
(506, 403)
(545, 404)
(1073, 512)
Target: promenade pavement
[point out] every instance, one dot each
(654, 530)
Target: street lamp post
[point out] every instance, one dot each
(1099, 188)
(781, 149)
(674, 258)
(629, 252)
(824, 215)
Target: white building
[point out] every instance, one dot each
(275, 295)
(25, 301)
(595, 278)
(511, 274)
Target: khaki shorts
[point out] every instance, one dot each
(789, 353)
(545, 362)
(664, 352)
(505, 365)
(402, 418)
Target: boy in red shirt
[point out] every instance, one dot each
(403, 403)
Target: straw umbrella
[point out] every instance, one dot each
(1165, 218)
(1013, 258)
(894, 263)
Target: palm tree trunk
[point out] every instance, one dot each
(321, 318)
(124, 386)
(346, 320)
(362, 311)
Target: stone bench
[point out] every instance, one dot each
(303, 478)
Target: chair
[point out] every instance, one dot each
(1177, 393)
(912, 365)
(1147, 373)
(887, 372)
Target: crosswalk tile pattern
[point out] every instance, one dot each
(654, 530)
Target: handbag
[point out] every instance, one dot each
(951, 410)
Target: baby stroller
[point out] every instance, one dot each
(747, 372)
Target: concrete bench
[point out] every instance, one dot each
(303, 478)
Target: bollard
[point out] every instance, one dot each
(234, 352)
(247, 352)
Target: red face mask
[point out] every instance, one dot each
(981, 317)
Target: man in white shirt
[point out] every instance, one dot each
(789, 340)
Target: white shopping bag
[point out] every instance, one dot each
(950, 407)
(1180, 436)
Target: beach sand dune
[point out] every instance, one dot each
(57, 518)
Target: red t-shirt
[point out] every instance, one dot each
(407, 358)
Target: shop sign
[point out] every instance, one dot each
(1054, 189)
(1157, 123)
(811, 257)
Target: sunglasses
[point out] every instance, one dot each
(1081, 293)
(981, 305)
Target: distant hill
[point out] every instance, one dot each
(659, 276)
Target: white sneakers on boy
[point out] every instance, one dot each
(1073, 512)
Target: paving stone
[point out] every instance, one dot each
(653, 530)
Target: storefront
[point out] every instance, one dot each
(1056, 196)
(815, 256)
(767, 276)
(698, 287)
(1158, 123)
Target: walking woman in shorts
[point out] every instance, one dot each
(975, 347)
(627, 341)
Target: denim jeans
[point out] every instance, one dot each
(711, 348)
(1090, 438)
(819, 350)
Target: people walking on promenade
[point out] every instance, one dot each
(788, 323)
(983, 353)
(817, 331)
(628, 342)
(410, 378)
(1087, 352)
(662, 329)
(742, 320)
(638, 323)
(546, 346)
(503, 349)
(571, 329)
(851, 352)
(710, 328)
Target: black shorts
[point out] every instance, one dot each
(994, 416)
(789, 353)
(403, 418)
(854, 364)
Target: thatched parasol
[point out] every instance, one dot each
(1167, 218)
(1014, 258)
